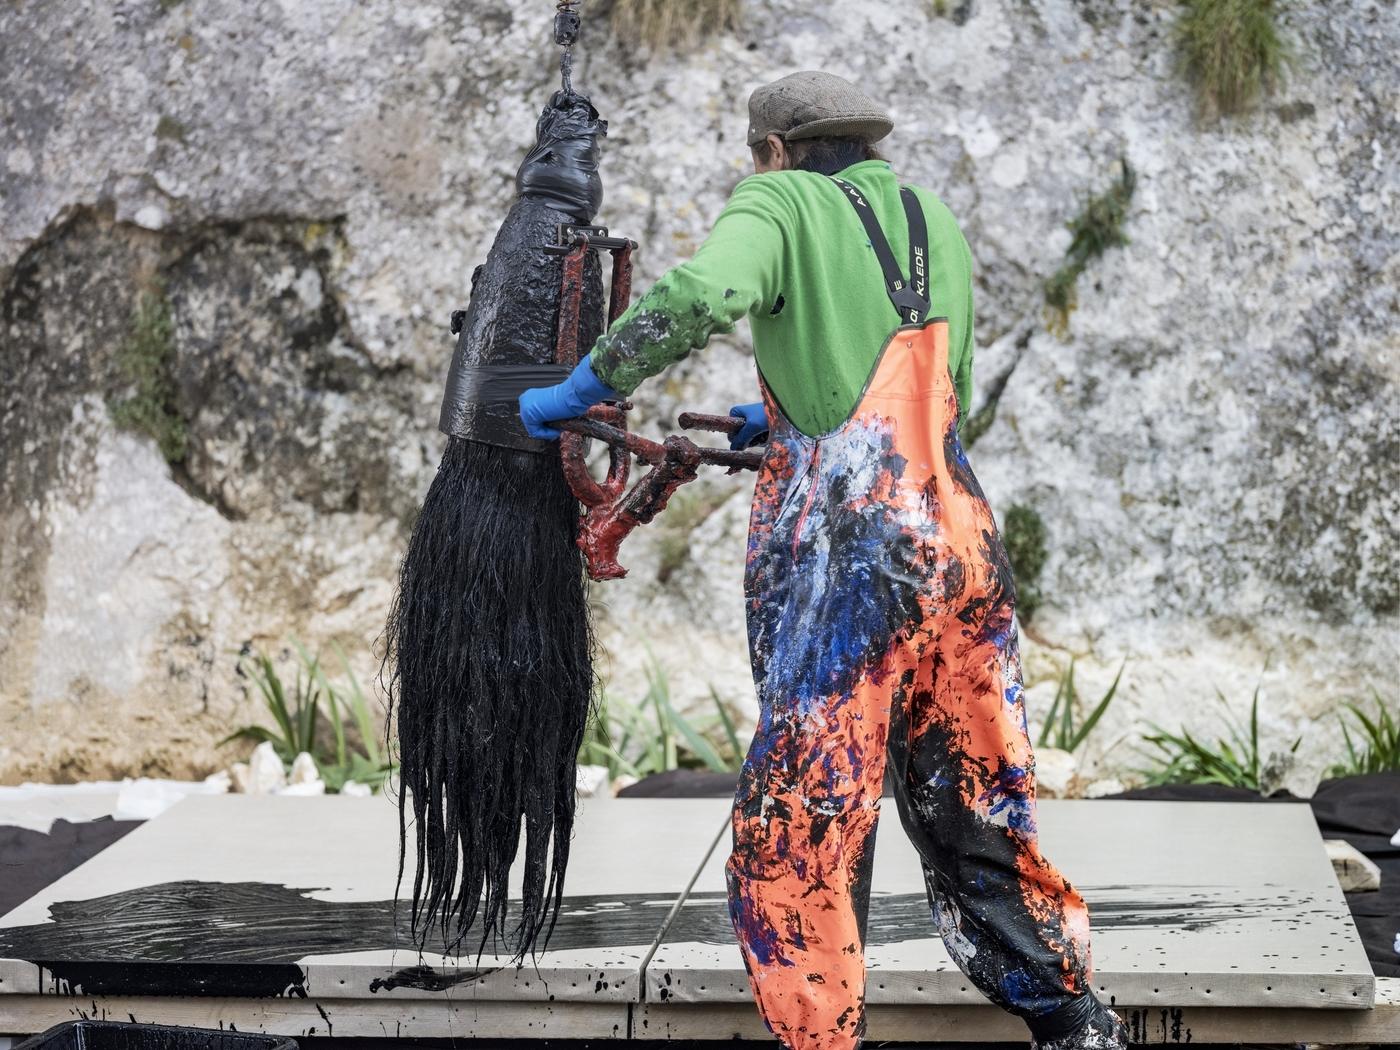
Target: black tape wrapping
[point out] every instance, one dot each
(562, 167)
(486, 383)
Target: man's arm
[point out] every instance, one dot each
(735, 270)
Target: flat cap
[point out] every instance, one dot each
(812, 103)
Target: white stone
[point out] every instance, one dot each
(239, 777)
(1055, 772)
(304, 770)
(1104, 786)
(591, 779)
(305, 788)
(219, 782)
(266, 775)
(354, 789)
(1356, 872)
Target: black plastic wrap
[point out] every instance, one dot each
(513, 313)
(562, 168)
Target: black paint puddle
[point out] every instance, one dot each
(193, 938)
(247, 938)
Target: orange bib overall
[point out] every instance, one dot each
(881, 632)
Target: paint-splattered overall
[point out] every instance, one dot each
(881, 630)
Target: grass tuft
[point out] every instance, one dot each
(661, 24)
(1232, 52)
(146, 361)
(1097, 228)
(312, 714)
(651, 736)
(1234, 760)
(1376, 748)
(1060, 729)
(1023, 535)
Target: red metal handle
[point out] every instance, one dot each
(609, 516)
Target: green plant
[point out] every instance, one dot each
(659, 24)
(295, 713)
(1180, 758)
(1097, 228)
(1231, 51)
(301, 724)
(358, 758)
(1379, 739)
(146, 360)
(168, 127)
(653, 737)
(1059, 729)
(1023, 535)
(977, 424)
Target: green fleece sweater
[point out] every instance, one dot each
(790, 252)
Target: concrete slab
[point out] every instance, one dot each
(1147, 1025)
(1193, 904)
(267, 896)
(277, 914)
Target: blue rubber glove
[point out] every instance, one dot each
(573, 397)
(755, 428)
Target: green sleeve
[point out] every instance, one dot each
(735, 271)
(962, 380)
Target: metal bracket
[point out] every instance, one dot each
(571, 236)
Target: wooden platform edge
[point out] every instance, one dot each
(450, 1017)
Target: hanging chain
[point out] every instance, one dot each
(566, 28)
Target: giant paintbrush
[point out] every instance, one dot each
(489, 655)
(488, 665)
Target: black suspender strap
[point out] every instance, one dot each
(918, 247)
(910, 297)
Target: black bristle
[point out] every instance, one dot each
(489, 676)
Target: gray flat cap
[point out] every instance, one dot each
(812, 103)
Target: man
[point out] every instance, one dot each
(880, 601)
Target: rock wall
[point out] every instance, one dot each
(281, 202)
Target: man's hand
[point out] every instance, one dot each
(543, 405)
(755, 428)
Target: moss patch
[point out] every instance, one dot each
(1097, 228)
(146, 360)
(1023, 534)
(978, 423)
(685, 512)
(169, 128)
(1232, 51)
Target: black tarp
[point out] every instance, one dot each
(31, 860)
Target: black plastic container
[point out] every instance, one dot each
(123, 1035)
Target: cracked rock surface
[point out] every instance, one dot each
(303, 188)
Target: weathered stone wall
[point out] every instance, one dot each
(301, 189)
